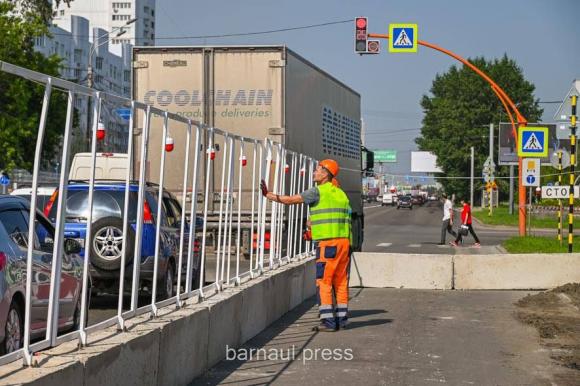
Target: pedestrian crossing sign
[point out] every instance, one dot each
(533, 141)
(403, 38)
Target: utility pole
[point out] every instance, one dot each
(472, 175)
(493, 163)
(511, 199)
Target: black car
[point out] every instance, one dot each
(405, 202)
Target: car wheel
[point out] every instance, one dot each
(13, 330)
(107, 243)
(168, 282)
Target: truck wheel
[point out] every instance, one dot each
(168, 288)
(107, 242)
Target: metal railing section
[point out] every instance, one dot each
(275, 230)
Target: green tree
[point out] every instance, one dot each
(20, 99)
(458, 113)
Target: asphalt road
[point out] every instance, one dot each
(397, 337)
(419, 231)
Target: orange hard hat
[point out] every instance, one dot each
(330, 165)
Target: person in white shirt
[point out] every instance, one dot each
(447, 224)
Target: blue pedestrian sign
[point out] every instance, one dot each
(124, 113)
(533, 141)
(403, 38)
(530, 180)
(4, 179)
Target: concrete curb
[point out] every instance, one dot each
(177, 346)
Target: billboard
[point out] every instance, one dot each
(424, 162)
(508, 152)
(385, 156)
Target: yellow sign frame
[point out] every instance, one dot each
(413, 49)
(530, 154)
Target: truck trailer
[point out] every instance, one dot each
(261, 92)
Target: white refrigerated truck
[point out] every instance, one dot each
(257, 92)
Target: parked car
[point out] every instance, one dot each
(405, 202)
(107, 237)
(388, 199)
(14, 217)
(43, 194)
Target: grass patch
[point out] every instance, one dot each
(501, 216)
(536, 244)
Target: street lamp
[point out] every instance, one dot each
(94, 47)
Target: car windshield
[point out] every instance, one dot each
(106, 203)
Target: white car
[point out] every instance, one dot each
(43, 194)
(388, 199)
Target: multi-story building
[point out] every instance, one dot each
(113, 15)
(111, 73)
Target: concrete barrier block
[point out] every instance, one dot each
(225, 312)
(279, 295)
(183, 344)
(254, 316)
(54, 370)
(133, 362)
(401, 270)
(296, 286)
(517, 271)
(309, 284)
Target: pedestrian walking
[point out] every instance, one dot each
(330, 226)
(447, 222)
(466, 224)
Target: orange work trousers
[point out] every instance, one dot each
(332, 270)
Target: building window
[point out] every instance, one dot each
(77, 73)
(99, 63)
(152, 36)
(127, 76)
(152, 12)
(121, 17)
(78, 55)
(152, 24)
(62, 12)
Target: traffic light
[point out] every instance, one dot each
(360, 35)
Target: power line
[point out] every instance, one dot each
(265, 32)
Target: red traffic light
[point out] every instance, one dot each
(360, 35)
(361, 22)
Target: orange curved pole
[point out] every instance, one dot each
(509, 106)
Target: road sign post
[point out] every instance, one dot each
(573, 103)
(559, 216)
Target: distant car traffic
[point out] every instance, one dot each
(405, 202)
(107, 237)
(417, 200)
(14, 217)
(388, 199)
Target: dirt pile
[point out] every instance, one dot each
(556, 316)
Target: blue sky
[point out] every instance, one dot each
(542, 36)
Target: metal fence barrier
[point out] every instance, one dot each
(275, 230)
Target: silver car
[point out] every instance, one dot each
(14, 217)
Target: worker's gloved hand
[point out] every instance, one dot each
(307, 236)
(264, 188)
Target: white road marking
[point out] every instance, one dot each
(384, 244)
(414, 245)
(374, 206)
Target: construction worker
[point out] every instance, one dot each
(330, 217)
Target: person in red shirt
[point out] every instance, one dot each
(466, 220)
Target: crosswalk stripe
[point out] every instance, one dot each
(384, 244)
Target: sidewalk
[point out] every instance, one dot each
(398, 337)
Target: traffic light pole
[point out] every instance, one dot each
(509, 107)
